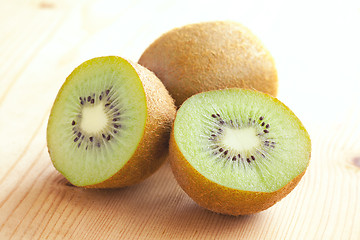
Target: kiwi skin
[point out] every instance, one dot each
(153, 147)
(209, 56)
(219, 198)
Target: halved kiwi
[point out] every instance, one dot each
(110, 123)
(208, 56)
(237, 151)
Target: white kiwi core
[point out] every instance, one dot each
(94, 119)
(241, 140)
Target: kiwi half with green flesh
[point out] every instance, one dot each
(237, 151)
(110, 124)
(208, 56)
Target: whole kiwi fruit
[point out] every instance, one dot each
(208, 56)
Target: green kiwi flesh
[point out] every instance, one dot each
(242, 139)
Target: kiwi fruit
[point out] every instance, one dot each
(209, 56)
(110, 124)
(237, 151)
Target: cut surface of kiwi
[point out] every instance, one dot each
(236, 145)
(208, 56)
(102, 120)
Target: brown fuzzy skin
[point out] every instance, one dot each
(218, 198)
(209, 56)
(153, 147)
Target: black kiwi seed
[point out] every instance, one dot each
(221, 150)
(266, 131)
(73, 123)
(267, 126)
(88, 98)
(107, 92)
(91, 139)
(213, 115)
(226, 152)
(262, 124)
(261, 118)
(76, 139)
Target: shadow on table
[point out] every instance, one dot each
(157, 206)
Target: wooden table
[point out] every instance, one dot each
(316, 48)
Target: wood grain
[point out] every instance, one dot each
(41, 41)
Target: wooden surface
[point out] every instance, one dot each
(316, 48)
